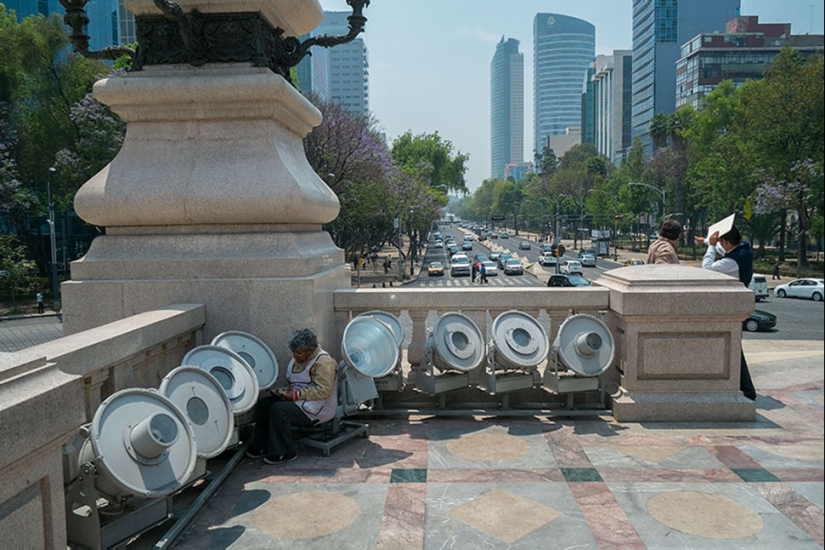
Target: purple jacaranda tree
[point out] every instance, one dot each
(349, 154)
(799, 193)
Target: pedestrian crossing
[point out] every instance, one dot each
(497, 281)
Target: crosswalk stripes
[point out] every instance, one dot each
(497, 281)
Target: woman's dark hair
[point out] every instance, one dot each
(671, 229)
(303, 340)
(732, 236)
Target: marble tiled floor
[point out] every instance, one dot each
(534, 483)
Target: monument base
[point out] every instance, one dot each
(664, 406)
(254, 279)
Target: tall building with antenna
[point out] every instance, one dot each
(506, 107)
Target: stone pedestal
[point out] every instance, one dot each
(211, 200)
(679, 332)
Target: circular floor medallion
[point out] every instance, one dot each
(486, 446)
(305, 515)
(704, 515)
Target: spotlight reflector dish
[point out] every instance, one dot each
(585, 345)
(457, 343)
(254, 351)
(233, 374)
(203, 401)
(390, 320)
(141, 444)
(521, 342)
(369, 346)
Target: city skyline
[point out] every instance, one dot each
(429, 60)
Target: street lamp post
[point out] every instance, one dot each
(55, 287)
(660, 191)
(615, 220)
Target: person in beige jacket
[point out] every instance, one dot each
(663, 250)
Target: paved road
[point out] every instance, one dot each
(31, 331)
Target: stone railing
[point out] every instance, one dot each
(677, 333)
(47, 392)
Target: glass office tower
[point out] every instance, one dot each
(506, 107)
(103, 25)
(660, 27)
(563, 49)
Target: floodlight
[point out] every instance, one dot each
(254, 351)
(233, 374)
(456, 347)
(519, 344)
(584, 348)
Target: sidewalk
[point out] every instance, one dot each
(550, 482)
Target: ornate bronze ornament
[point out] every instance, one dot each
(198, 38)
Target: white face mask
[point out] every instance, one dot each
(719, 249)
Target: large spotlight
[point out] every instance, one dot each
(233, 374)
(583, 350)
(140, 447)
(370, 349)
(518, 346)
(254, 351)
(455, 347)
(201, 398)
(394, 379)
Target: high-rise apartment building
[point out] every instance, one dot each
(506, 107)
(611, 104)
(660, 27)
(338, 74)
(563, 49)
(742, 53)
(103, 27)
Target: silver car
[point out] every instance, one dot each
(588, 260)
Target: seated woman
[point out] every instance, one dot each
(309, 398)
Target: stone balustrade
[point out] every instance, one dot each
(677, 333)
(47, 392)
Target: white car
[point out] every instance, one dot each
(524, 245)
(588, 260)
(490, 267)
(568, 267)
(513, 267)
(759, 286)
(801, 288)
(547, 258)
(459, 265)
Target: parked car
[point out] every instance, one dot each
(524, 245)
(587, 260)
(759, 286)
(459, 265)
(436, 269)
(801, 288)
(547, 259)
(569, 267)
(560, 280)
(591, 251)
(438, 244)
(513, 267)
(759, 320)
(635, 262)
(490, 268)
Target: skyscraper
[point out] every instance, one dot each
(660, 27)
(612, 91)
(563, 49)
(348, 78)
(103, 26)
(506, 107)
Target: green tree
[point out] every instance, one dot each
(17, 272)
(41, 87)
(434, 155)
(785, 124)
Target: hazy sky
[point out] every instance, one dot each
(430, 59)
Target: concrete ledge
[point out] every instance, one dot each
(683, 407)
